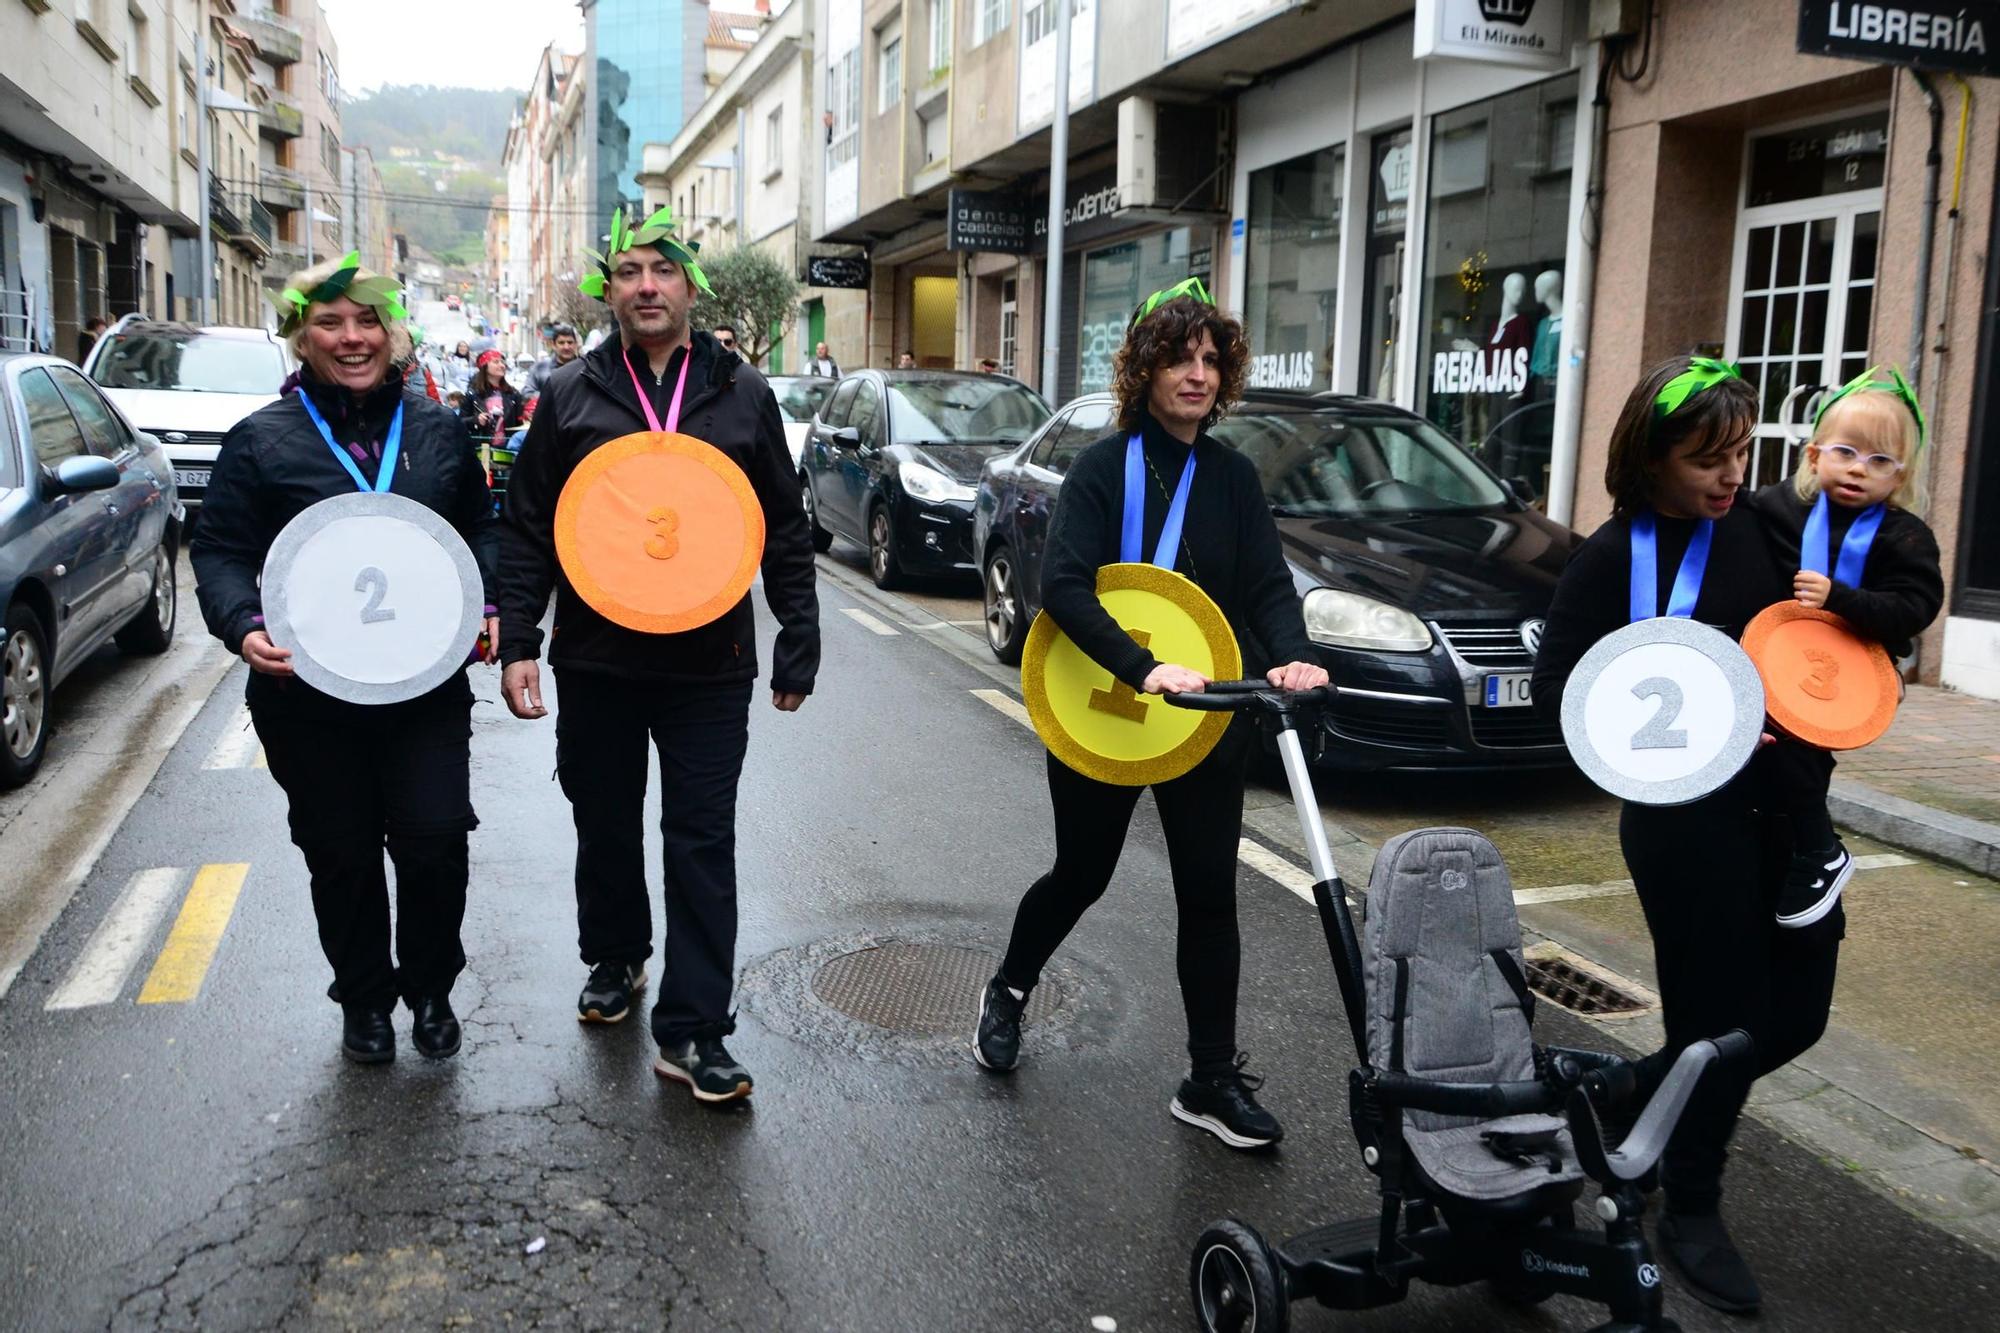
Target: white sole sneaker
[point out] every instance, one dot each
(668, 1069)
(979, 1055)
(593, 1016)
(1827, 899)
(1215, 1127)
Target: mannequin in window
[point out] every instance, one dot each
(1542, 364)
(1513, 331)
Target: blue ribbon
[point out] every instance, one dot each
(1815, 548)
(1646, 569)
(386, 473)
(1133, 539)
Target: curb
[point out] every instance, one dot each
(1970, 844)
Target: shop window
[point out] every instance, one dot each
(1496, 230)
(1292, 270)
(1115, 280)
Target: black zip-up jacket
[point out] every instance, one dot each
(1229, 548)
(1902, 586)
(274, 464)
(590, 402)
(512, 406)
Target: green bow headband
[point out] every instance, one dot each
(379, 291)
(1895, 384)
(656, 231)
(1703, 372)
(1185, 287)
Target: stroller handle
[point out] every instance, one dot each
(1231, 696)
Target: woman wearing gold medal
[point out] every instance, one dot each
(357, 775)
(1163, 489)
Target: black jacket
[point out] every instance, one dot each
(512, 405)
(274, 464)
(590, 402)
(1902, 587)
(1229, 548)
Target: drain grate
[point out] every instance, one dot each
(928, 989)
(1577, 990)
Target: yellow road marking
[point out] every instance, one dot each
(183, 962)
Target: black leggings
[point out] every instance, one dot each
(1202, 814)
(1707, 875)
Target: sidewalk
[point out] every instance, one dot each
(1932, 784)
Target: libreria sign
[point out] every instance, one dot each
(1902, 27)
(1937, 34)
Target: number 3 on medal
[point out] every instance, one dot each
(376, 584)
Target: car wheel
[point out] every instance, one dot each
(151, 632)
(24, 697)
(1006, 626)
(882, 566)
(822, 539)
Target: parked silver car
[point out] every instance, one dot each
(89, 524)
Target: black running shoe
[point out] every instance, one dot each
(707, 1067)
(1700, 1248)
(1813, 885)
(997, 1044)
(607, 996)
(1223, 1105)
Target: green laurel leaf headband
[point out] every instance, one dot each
(1185, 287)
(1895, 384)
(656, 231)
(378, 291)
(1703, 372)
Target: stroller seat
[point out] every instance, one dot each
(1448, 1000)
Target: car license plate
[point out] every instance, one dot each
(195, 477)
(1509, 691)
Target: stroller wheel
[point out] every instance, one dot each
(1236, 1282)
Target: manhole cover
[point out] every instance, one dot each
(926, 989)
(1577, 990)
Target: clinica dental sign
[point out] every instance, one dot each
(1930, 34)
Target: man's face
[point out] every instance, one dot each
(819, 350)
(727, 337)
(565, 348)
(649, 294)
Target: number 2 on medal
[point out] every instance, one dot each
(376, 584)
(1660, 733)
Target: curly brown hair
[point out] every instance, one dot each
(1160, 340)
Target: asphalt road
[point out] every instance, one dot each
(192, 1152)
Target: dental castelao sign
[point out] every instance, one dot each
(1533, 33)
(1929, 34)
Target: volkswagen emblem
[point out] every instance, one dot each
(1531, 635)
(175, 437)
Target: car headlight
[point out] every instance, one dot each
(1349, 620)
(930, 485)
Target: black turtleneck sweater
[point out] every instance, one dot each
(1902, 586)
(1229, 547)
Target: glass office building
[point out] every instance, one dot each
(646, 60)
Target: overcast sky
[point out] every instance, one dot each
(491, 44)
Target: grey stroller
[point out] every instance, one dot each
(1481, 1141)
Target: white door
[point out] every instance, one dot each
(1803, 288)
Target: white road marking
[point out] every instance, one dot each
(1883, 861)
(868, 622)
(114, 947)
(237, 747)
(1007, 704)
(1275, 867)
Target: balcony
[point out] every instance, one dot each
(222, 208)
(259, 231)
(275, 36)
(281, 189)
(280, 117)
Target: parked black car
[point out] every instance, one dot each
(1424, 577)
(89, 523)
(891, 460)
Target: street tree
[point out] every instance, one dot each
(755, 294)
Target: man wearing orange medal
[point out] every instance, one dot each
(681, 676)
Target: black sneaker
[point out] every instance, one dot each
(997, 1044)
(1223, 1105)
(1813, 885)
(607, 996)
(707, 1067)
(1700, 1248)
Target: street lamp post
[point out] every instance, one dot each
(207, 99)
(1058, 201)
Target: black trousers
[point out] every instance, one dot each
(1201, 813)
(358, 777)
(702, 733)
(1708, 875)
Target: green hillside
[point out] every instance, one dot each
(439, 153)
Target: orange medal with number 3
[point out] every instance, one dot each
(659, 532)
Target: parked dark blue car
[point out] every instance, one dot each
(1423, 578)
(89, 524)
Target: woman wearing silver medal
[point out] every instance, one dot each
(357, 776)
(1162, 486)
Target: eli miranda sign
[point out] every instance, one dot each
(1931, 34)
(1533, 33)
